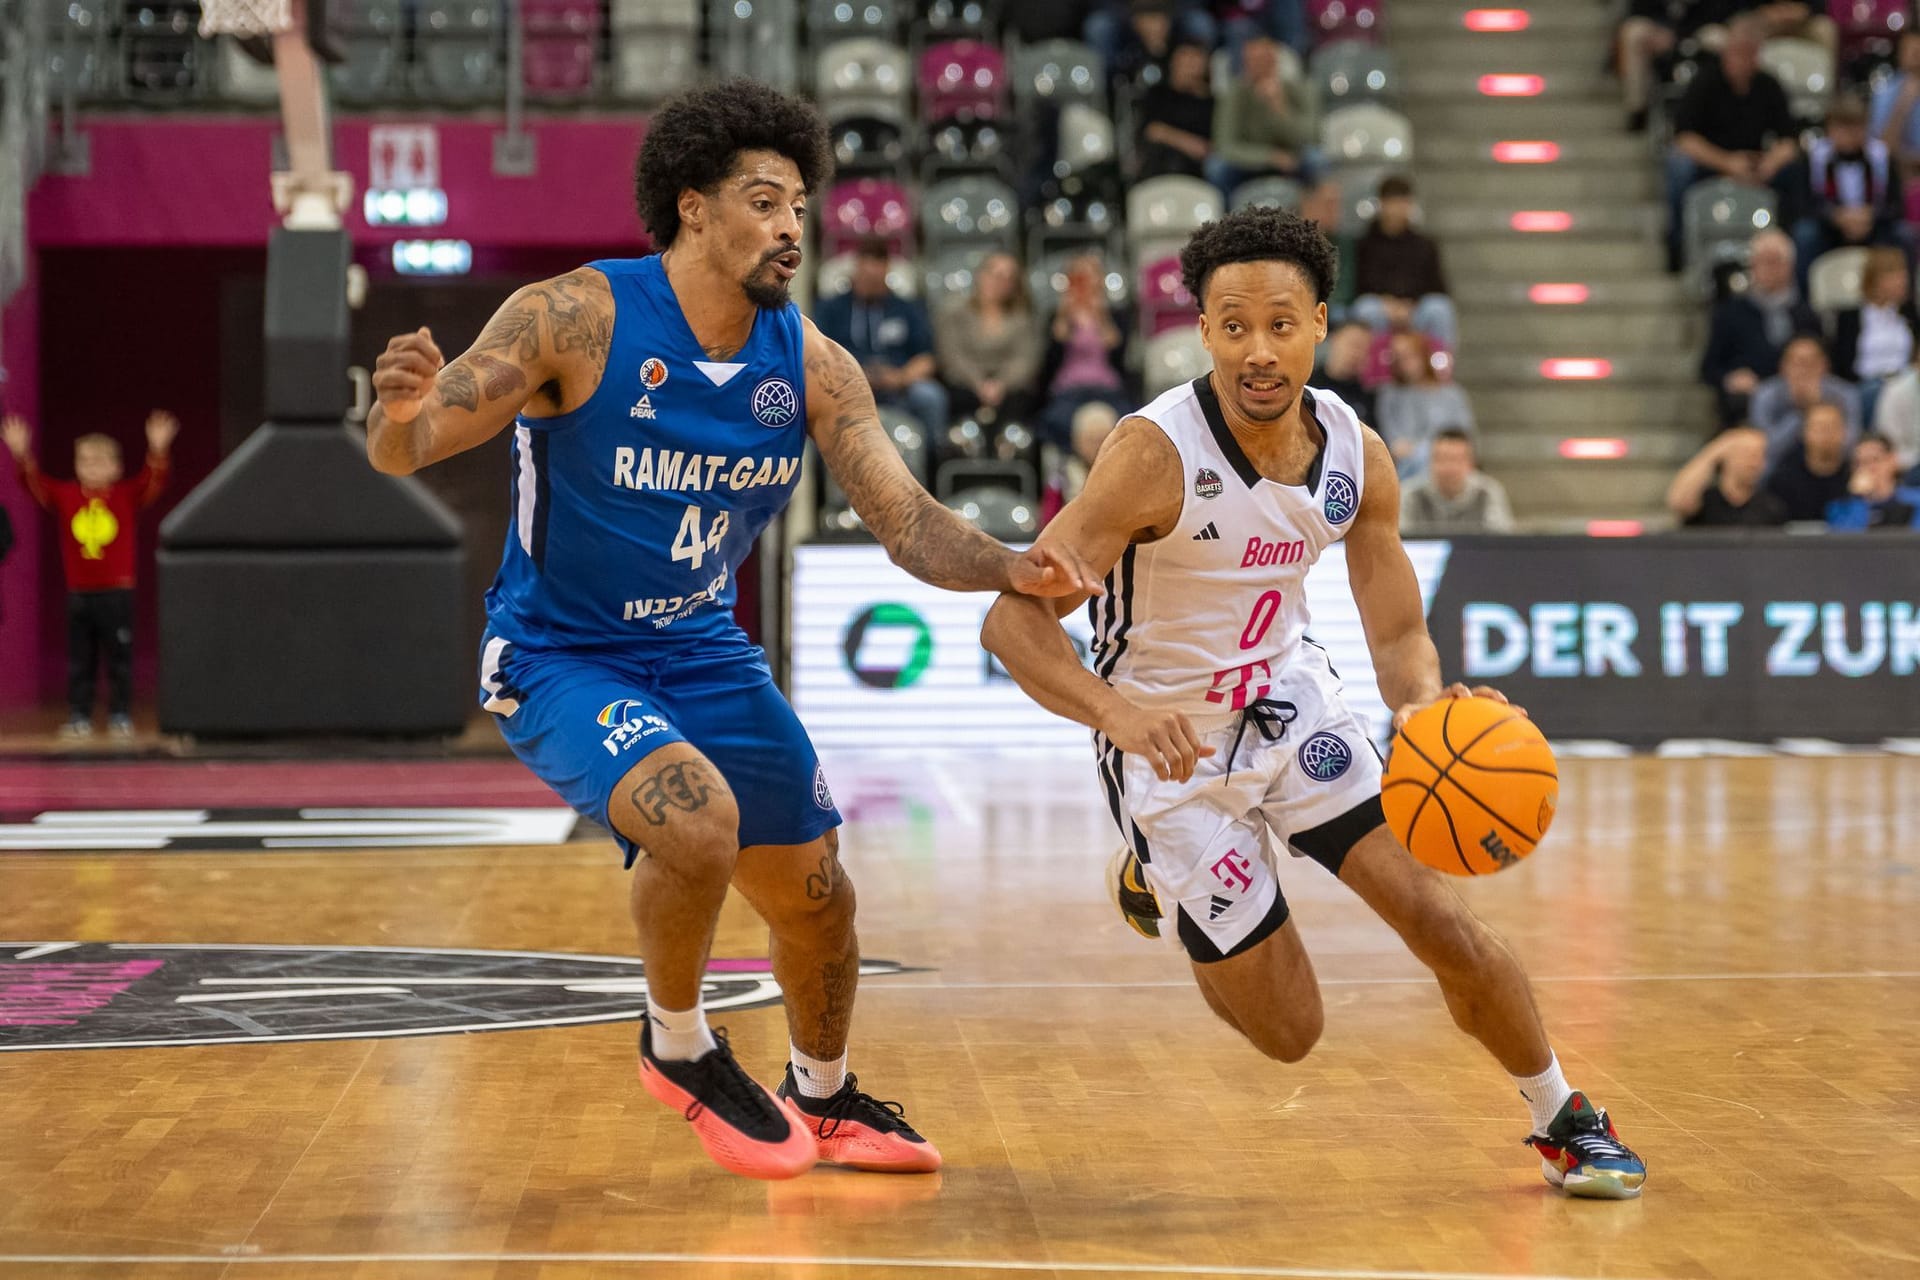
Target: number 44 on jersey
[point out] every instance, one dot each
(690, 545)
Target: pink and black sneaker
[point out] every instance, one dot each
(740, 1124)
(858, 1131)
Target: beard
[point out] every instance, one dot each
(765, 288)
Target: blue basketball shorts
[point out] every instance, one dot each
(582, 720)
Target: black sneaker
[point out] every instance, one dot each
(740, 1124)
(1583, 1155)
(861, 1132)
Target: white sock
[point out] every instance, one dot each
(678, 1036)
(1545, 1093)
(816, 1077)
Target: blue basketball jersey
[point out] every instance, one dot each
(631, 514)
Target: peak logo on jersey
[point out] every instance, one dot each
(642, 409)
(652, 373)
(775, 403)
(880, 635)
(618, 712)
(1325, 756)
(1206, 483)
(93, 995)
(1343, 497)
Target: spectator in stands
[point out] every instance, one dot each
(1750, 329)
(1790, 19)
(1176, 118)
(1086, 360)
(889, 336)
(97, 515)
(1345, 367)
(1893, 119)
(1322, 208)
(1876, 340)
(1734, 122)
(989, 343)
(1035, 20)
(1648, 33)
(1416, 406)
(1285, 21)
(1397, 273)
(1875, 499)
(1455, 496)
(1813, 472)
(1897, 417)
(1266, 122)
(1720, 487)
(1853, 192)
(1135, 38)
(1780, 404)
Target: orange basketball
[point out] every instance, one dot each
(1470, 786)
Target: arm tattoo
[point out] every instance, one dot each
(515, 329)
(456, 386)
(924, 538)
(502, 378)
(574, 322)
(685, 786)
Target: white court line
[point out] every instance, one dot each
(773, 1260)
(304, 993)
(45, 949)
(1861, 975)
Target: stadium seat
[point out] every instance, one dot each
(1172, 358)
(998, 513)
(1833, 281)
(161, 57)
(863, 75)
(1718, 218)
(834, 19)
(758, 39)
(1165, 303)
(869, 144)
(1360, 189)
(457, 47)
(371, 73)
(867, 207)
(238, 78)
(971, 210)
(560, 47)
(1061, 71)
(1367, 133)
(957, 19)
(655, 15)
(1273, 192)
(1805, 70)
(964, 146)
(1168, 209)
(1352, 71)
(962, 80)
(651, 65)
(1347, 20)
(948, 273)
(835, 277)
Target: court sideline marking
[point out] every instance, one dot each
(775, 1260)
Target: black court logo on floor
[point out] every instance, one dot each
(92, 995)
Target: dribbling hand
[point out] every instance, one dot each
(404, 374)
(1164, 739)
(1407, 712)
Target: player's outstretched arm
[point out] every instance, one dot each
(548, 341)
(1132, 493)
(923, 537)
(1404, 659)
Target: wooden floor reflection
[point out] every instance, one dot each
(1726, 951)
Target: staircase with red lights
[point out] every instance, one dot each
(1578, 350)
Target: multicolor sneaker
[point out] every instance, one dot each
(1583, 1155)
(738, 1122)
(858, 1131)
(1127, 882)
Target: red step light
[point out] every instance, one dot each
(1593, 448)
(1580, 370)
(1558, 295)
(1496, 20)
(1614, 528)
(1511, 86)
(1526, 152)
(1541, 220)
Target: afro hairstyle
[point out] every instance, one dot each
(695, 140)
(1256, 234)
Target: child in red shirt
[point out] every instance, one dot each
(96, 513)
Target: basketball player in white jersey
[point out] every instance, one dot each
(1219, 726)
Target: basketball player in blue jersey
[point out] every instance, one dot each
(1220, 726)
(659, 409)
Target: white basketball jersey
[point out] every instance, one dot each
(1203, 619)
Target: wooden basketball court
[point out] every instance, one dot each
(1725, 950)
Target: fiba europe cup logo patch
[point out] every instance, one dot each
(822, 796)
(653, 373)
(1206, 483)
(774, 403)
(1325, 756)
(1342, 497)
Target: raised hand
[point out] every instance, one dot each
(162, 427)
(17, 434)
(405, 372)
